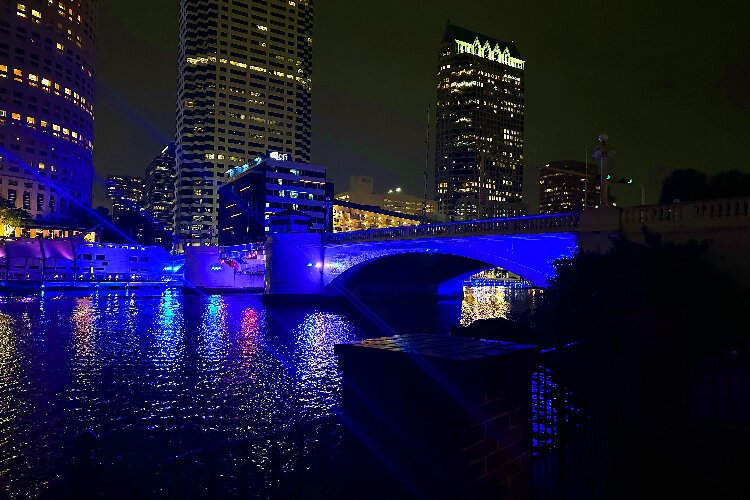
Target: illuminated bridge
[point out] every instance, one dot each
(437, 257)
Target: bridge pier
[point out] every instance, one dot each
(294, 265)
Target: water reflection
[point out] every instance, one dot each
(317, 373)
(496, 301)
(156, 374)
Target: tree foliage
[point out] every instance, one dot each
(12, 216)
(663, 281)
(690, 185)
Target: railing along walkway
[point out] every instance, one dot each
(512, 225)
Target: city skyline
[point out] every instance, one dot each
(244, 88)
(580, 82)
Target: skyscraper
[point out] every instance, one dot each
(243, 92)
(158, 193)
(126, 194)
(480, 127)
(47, 105)
(568, 186)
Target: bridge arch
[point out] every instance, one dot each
(529, 256)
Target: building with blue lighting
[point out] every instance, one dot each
(47, 106)
(243, 87)
(253, 193)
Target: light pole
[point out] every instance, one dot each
(642, 186)
(603, 153)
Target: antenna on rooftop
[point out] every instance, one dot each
(426, 164)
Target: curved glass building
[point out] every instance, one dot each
(47, 105)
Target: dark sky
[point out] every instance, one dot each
(668, 81)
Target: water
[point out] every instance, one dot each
(160, 373)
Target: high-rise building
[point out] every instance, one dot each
(125, 192)
(243, 91)
(158, 193)
(362, 191)
(253, 193)
(568, 186)
(47, 105)
(480, 127)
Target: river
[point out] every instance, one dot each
(161, 372)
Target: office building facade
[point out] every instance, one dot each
(253, 193)
(568, 186)
(479, 127)
(47, 105)
(244, 88)
(125, 193)
(159, 185)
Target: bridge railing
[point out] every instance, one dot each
(527, 224)
(696, 214)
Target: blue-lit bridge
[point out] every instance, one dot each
(438, 257)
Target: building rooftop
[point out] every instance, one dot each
(453, 32)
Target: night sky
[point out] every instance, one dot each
(668, 81)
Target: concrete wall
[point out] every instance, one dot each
(294, 263)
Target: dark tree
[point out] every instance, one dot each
(685, 184)
(591, 292)
(729, 184)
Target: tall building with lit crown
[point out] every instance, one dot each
(480, 127)
(243, 91)
(125, 192)
(47, 105)
(568, 186)
(158, 190)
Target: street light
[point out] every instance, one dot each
(630, 181)
(603, 153)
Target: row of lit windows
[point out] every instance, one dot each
(196, 61)
(57, 130)
(21, 10)
(36, 16)
(47, 85)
